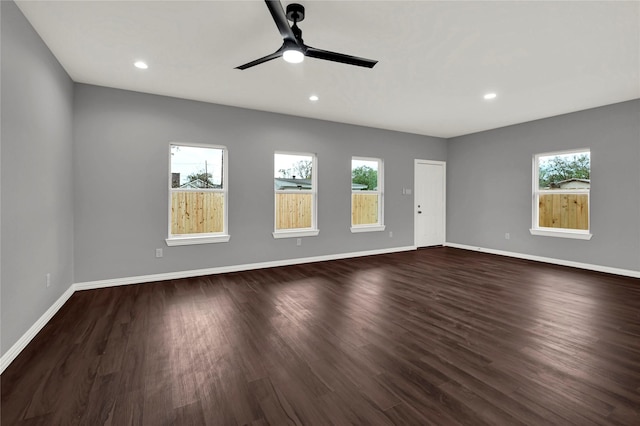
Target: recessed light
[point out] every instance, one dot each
(140, 64)
(313, 98)
(490, 96)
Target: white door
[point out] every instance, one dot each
(429, 203)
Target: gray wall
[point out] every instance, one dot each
(121, 192)
(489, 181)
(37, 203)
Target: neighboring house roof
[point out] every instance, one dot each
(358, 186)
(572, 183)
(198, 184)
(286, 183)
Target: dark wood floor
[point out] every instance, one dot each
(437, 336)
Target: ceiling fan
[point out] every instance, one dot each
(293, 48)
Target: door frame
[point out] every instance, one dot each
(444, 195)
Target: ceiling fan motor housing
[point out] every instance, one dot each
(295, 12)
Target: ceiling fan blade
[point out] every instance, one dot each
(312, 52)
(262, 60)
(280, 18)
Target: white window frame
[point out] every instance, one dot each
(380, 192)
(578, 234)
(298, 232)
(203, 238)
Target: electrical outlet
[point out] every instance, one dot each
(507, 236)
(158, 252)
(298, 242)
(390, 234)
(48, 279)
(408, 191)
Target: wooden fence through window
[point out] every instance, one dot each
(203, 212)
(293, 210)
(196, 212)
(569, 211)
(364, 208)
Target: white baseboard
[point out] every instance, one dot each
(588, 266)
(233, 268)
(8, 357)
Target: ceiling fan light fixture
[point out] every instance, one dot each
(141, 65)
(293, 56)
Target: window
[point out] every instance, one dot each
(197, 194)
(366, 194)
(295, 187)
(561, 189)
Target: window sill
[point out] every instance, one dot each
(296, 233)
(367, 228)
(576, 235)
(191, 240)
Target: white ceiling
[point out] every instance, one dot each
(436, 59)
